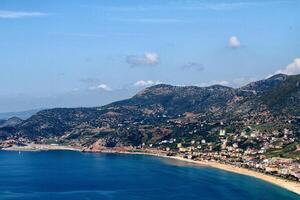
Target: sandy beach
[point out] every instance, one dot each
(41, 147)
(289, 185)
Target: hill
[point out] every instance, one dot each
(164, 111)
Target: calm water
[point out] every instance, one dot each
(64, 175)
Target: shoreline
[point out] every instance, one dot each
(283, 183)
(280, 182)
(41, 147)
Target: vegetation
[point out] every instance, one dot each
(288, 151)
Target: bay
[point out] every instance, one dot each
(69, 175)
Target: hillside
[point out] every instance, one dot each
(11, 122)
(285, 98)
(165, 111)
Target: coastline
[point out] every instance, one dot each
(41, 147)
(286, 184)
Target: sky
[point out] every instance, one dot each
(72, 53)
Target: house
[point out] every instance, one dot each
(182, 149)
(272, 169)
(283, 171)
(222, 133)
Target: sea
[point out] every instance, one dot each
(71, 175)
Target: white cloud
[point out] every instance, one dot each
(228, 6)
(144, 83)
(19, 14)
(152, 58)
(148, 59)
(214, 82)
(291, 69)
(238, 82)
(193, 5)
(234, 42)
(101, 87)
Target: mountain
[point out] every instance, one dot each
(8, 126)
(285, 97)
(163, 111)
(266, 84)
(11, 122)
(22, 115)
(174, 100)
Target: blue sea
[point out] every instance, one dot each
(68, 175)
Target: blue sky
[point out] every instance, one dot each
(63, 53)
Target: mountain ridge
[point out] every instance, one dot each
(149, 116)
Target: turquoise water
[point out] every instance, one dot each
(67, 175)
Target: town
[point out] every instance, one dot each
(262, 148)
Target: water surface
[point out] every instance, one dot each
(67, 175)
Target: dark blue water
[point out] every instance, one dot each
(67, 175)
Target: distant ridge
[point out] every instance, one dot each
(10, 122)
(22, 114)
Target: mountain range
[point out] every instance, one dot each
(164, 111)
